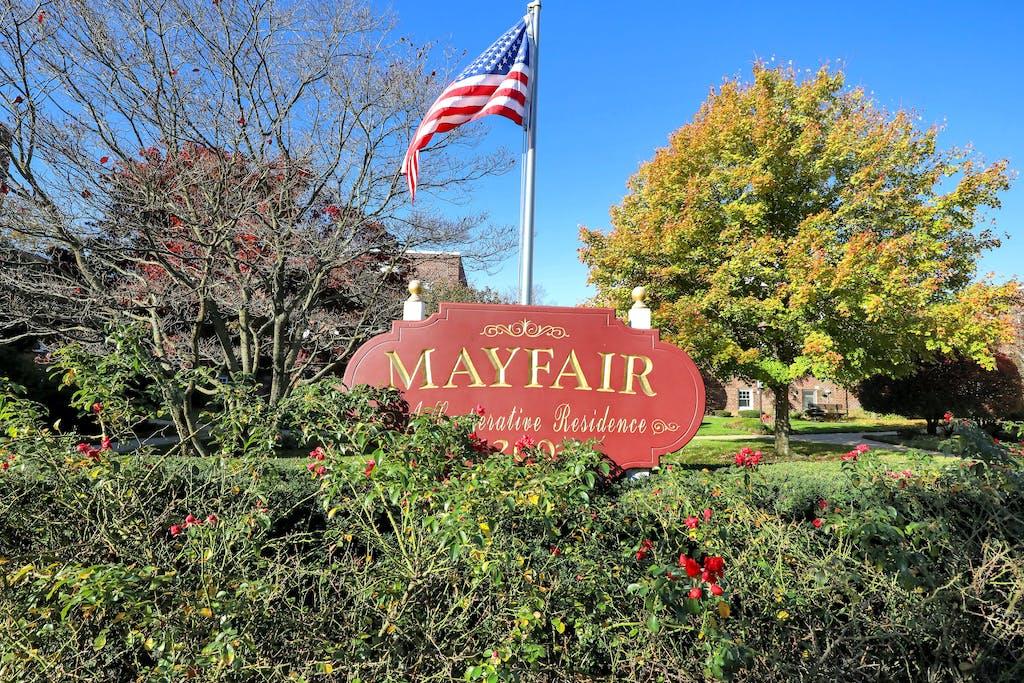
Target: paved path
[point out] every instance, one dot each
(851, 439)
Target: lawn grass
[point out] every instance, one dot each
(729, 426)
(714, 454)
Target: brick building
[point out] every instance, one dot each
(437, 267)
(736, 394)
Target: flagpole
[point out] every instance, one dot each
(529, 160)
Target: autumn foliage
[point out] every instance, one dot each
(795, 227)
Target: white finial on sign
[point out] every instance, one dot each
(415, 308)
(639, 314)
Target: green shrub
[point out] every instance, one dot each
(722, 413)
(749, 413)
(413, 553)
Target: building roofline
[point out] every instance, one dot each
(434, 253)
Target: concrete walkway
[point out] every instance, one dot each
(851, 439)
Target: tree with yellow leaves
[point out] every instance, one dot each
(794, 228)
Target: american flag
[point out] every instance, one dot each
(496, 82)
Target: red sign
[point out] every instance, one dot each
(545, 372)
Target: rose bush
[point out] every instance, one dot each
(410, 551)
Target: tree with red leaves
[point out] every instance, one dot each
(952, 384)
(230, 194)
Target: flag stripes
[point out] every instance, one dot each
(497, 82)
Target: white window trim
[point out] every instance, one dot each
(750, 398)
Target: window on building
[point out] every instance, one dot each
(745, 399)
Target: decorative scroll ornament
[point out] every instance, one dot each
(660, 426)
(525, 328)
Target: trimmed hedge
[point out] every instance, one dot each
(415, 553)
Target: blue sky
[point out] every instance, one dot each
(616, 78)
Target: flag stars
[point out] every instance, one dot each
(500, 56)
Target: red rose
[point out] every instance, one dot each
(817, 522)
(690, 565)
(716, 590)
(524, 442)
(707, 514)
(370, 464)
(714, 563)
(211, 518)
(175, 529)
(691, 522)
(190, 520)
(714, 567)
(479, 410)
(97, 408)
(105, 444)
(696, 593)
(822, 504)
(748, 457)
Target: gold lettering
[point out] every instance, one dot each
(535, 366)
(631, 373)
(606, 372)
(500, 368)
(561, 418)
(469, 371)
(423, 360)
(577, 372)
